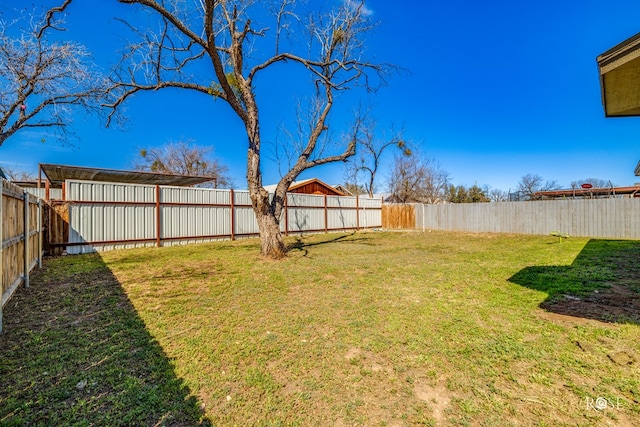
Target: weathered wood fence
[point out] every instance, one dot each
(20, 238)
(617, 218)
(398, 216)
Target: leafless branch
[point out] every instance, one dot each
(42, 82)
(220, 36)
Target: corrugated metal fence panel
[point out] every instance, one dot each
(305, 200)
(195, 221)
(341, 201)
(194, 195)
(370, 212)
(114, 215)
(310, 216)
(245, 220)
(598, 218)
(126, 220)
(189, 223)
(109, 192)
(108, 223)
(54, 193)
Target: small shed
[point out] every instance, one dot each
(309, 186)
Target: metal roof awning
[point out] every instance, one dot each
(633, 191)
(57, 174)
(619, 69)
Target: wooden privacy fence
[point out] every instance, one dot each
(398, 216)
(598, 218)
(20, 238)
(104, 216)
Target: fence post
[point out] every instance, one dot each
(158, 218)
(233, 219)
(357, 212)
(326, 215)
(1, 251)
(286, 214)
(26, 238)
(40, 233)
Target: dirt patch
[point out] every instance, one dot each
(619, 303)
(438, 398)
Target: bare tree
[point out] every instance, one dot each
(365, 165)
(497, 195)
(206, 46)
(17, 174)
(530, 184)
(43, 81)
(417, 180)
(595, 182)
(185, 158)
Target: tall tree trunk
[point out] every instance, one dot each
(267, 214)
(271, 242)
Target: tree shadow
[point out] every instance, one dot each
(301, 245)
(75, 352)
(602, 283)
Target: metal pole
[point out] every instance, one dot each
(326, 215)
(286, 214)
(233, 216)
(40, 233)
(357, 212)
(158, 218)
(26, 238)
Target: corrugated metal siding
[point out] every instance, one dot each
(370, 212)
(245, 220)
(113, 215)
(54, 193)
(600, 218)
(309, 216)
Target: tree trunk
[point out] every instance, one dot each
(271, 243)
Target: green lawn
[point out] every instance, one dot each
(366, 329)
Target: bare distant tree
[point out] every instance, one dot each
(363, 168)
(415, 179)
(532, 183)
(210, 47)
(17, 174)
(497, 195)
(595, 182)
(185, 158)
(43, 81)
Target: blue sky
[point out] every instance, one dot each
(493, 90)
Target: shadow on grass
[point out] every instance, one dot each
(300, 244)
(74, 352)
(602, 283)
